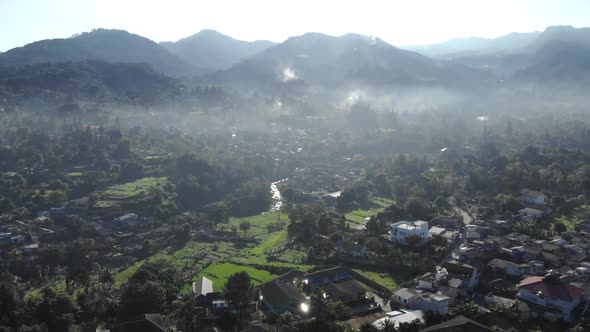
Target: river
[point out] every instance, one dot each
(277, 198)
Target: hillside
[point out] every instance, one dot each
(100, 44)
(475, 46)
(86, 80)
(211, 50)
(316, 58)
(558, 60)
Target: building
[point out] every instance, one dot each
(400, 316)
(279, 297)
(345, 291)
(416, 299)
(516, 270)
(322, 277)
(527, 214)
(555, 297)
(458, 324)
(436, 303)
(202, 287)
(461, 275)
(146, 322)
(345, 247)
(532, 197)
(400, 231)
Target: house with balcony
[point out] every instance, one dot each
(401, 231)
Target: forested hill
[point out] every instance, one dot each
(210, 50)
(86, 80)
(100, 44)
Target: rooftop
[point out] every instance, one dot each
(551, 287)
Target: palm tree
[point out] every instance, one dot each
(387, 325)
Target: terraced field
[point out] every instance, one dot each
(115, 195)
(357, 218)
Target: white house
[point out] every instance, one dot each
(400, 231)
(532, 197)
(399, 316)
(414, 299)
(557, 297)
(437, 303)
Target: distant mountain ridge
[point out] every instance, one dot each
(212, 50)
(99, 44)
(316, 58)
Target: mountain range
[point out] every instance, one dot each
(211, 50)
(558, 53)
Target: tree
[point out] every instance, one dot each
(139, 298)
(418, 208)
(387, 325)
(559, 227)
(57, 197)
(413, 326)
(239, 291)
(244, 226)
(368, 327)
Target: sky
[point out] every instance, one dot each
(398, 22)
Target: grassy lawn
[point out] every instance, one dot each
(114, 194)
(570, 219)
(219, 272)
(122, 276)
(272, 241)
(259, 223)
(384, 279)
(357, 217)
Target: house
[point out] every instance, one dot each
(407, 297)
(465, 253)
(206, 298)
(202, 287)
(532, 197)
(280, 297)
(525, 253)
(436, 231)
(416, 299)
(345, 291)
(400, 231)
(348, 248)
(527, 214)
(399, 316)
(431, 281)
(436, 303)
(557, 298)
(516, 270)
(322, 277)
(461, 275)
(30, 249)
(146, 322)
(457, 324)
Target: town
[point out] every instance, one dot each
(313, 182)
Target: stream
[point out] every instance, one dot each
(277, 198)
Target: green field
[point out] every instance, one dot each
(383, 279)
(115, 194)
(570, 219)
(186, 261)
(357, 217)
(259, 223)
(219, 272)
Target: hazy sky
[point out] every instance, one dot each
(399, 22)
